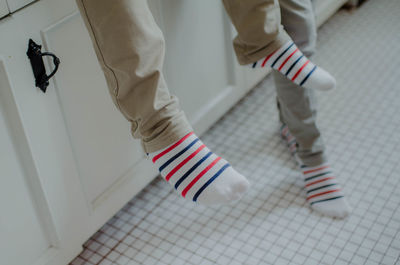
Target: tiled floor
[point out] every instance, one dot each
(272, 224)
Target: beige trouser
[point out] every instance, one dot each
(130, 49)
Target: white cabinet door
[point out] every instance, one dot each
(22, 234)
(3, 8)
(42, 174)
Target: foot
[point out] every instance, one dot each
(197, 173)
(292, 63)
(323, 191)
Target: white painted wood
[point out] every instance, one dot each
(3, 8)
(196, 58)
(325, 9)
(17, 4)
(49, 153)
(21, 225)
(200, 67)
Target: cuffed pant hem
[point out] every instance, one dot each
(170, 136)
(313, 160)
(244, 58)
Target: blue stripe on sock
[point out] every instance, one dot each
(209, 182)
(318, 175)
(177, 155)
(277, 59)
(191, 170)
(325, 186)
(334, 198)
(308, 75)
(291, 67)
(254, 64)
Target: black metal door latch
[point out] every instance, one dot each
(39, 71)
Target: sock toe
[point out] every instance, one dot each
(339, 208)
(229, 187)
(321, 80)
(239, 188)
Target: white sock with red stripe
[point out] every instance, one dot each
(292, 63)
(197, 173)
(323, 191)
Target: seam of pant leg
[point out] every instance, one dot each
(109, 68)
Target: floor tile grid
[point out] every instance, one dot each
(353, 185)
(378, 135)
(99, 248)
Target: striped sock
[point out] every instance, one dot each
(289, 139)
(323, 191)
(292, 63)
(197, 173)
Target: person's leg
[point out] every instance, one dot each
(297, 113)
(130, 49)
(262, 41)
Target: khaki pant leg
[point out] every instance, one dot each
(130, 49)
(258, 23)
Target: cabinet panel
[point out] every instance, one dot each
(100, 137)
(196, 52)
(23, 238)
(200, 65)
